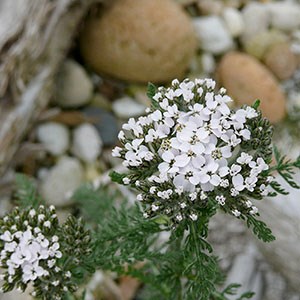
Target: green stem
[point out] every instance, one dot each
(180, 294)
(195, 239)
(218, 296)
(174, 246)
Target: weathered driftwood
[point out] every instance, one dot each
(34, 39)
(282, 215)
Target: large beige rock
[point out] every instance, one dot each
(281, 61)
(140, 40)
(246, 80)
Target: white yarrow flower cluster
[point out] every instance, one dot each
(35, 249)
(191, 148)
(28, 250)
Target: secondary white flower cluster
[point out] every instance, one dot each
(26, 250)
(191, 149)
(29, 248)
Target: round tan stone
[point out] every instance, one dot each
(281, 61)
(246, 80)
(259, 44)
(140, 40)
(210, 7)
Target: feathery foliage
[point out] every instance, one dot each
(286, 167)
(26, 193)
(184, 173)
(180, 267)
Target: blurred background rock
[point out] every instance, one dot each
(71, 71)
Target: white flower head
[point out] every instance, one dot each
(253, 210)
(191, 147)
(234, 192)
(47, 224)
(193, 196)
(179, 217)
(244, 158)
(193, 217)
(221, 199)
(154, 207)
(236, 213)
(126, 180)
(32, 213)
(183, 205)
(203, 195)
(32, 252)
(121, 135)
(116, 152)
(139, 197)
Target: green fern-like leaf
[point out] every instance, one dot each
(256, 104)
(260, 229)
(278, 188)
(247, 295)
(95, 205)
(26, 193)
(151, 90)
(286, 168)
(117, 177)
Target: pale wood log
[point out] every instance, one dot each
(282, 215)
(35, 36)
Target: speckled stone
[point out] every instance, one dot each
(259, 44)
(234, 21)
(210, 7)
(256, 18)
(62, 179)
(87, 143)
(281, 61)
(126, 107)
(74, 87)
(246, 80)
(140, 40)
(284, 15)
(55, 137)
(213, 35)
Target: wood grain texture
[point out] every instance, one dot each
(34, 39)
